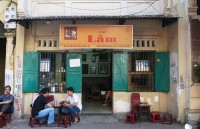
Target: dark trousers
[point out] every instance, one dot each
(6, 108)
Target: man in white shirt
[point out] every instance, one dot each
(72, 104)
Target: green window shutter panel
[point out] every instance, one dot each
(74, 74)
(120, 71)
(162, 80)
(30, 72)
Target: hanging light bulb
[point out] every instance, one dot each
(93, 58)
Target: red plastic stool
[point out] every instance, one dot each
(2, 121)
(64, 120)
(167, 119)
(155, 117)
(34, 121)
(130, 118)
(7, 117)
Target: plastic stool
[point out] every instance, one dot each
(130, 118)
(64, 120)
(167, 119)
(34, 121)
(155, 117)
(7, 117)
(2, 121)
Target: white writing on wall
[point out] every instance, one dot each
(18, 85)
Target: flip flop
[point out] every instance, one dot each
(75, 122)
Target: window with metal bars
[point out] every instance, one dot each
(52, 71)
(141, 71)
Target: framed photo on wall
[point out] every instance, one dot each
(92, 70)
(84, 57)
(103, 67)
(85, 69)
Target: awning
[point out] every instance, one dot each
(166, 19)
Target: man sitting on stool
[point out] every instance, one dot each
(39, 110)
(6, 102)
(72, 104)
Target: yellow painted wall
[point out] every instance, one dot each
(142, 28)
(122, 101)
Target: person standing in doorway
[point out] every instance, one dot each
(72, 104)
(6, 102)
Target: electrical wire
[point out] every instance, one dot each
(150, 5)
(29, 14)
(94, 9)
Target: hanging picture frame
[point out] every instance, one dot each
(85, 69)
(103, 67)
(92, 70)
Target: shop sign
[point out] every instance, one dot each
(103, 36)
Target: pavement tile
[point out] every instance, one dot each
(88, 122)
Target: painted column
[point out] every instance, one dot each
(18, 72)
(9, 66)
(182, 61)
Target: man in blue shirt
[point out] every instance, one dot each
(6, 102)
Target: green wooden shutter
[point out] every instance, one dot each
(120, 71)
(162, 71)
(30, 72)
(74, 74)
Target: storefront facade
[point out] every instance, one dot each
(151, 66)
(123, 72)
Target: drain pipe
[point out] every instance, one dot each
(187, 39)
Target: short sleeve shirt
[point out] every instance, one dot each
(38, 105)
(75, 99)
(3, 98)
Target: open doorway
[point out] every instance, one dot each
(97, 82)
(2, 63)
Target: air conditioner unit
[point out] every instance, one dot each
(10, 13)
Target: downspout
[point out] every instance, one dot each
(187, 42)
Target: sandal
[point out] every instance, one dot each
(76, 121)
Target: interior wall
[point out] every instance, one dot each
(102, 83)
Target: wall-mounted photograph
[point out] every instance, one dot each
(92, 70)
(84, 57)
(70, 33)
(85, 69)
(103, 67)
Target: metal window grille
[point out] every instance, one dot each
(142, 71)
(52, 71)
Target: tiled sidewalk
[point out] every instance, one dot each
(97, 122)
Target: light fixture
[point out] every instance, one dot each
(48, 22)
(93, 58)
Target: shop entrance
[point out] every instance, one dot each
(97, 81)
(2, 63)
